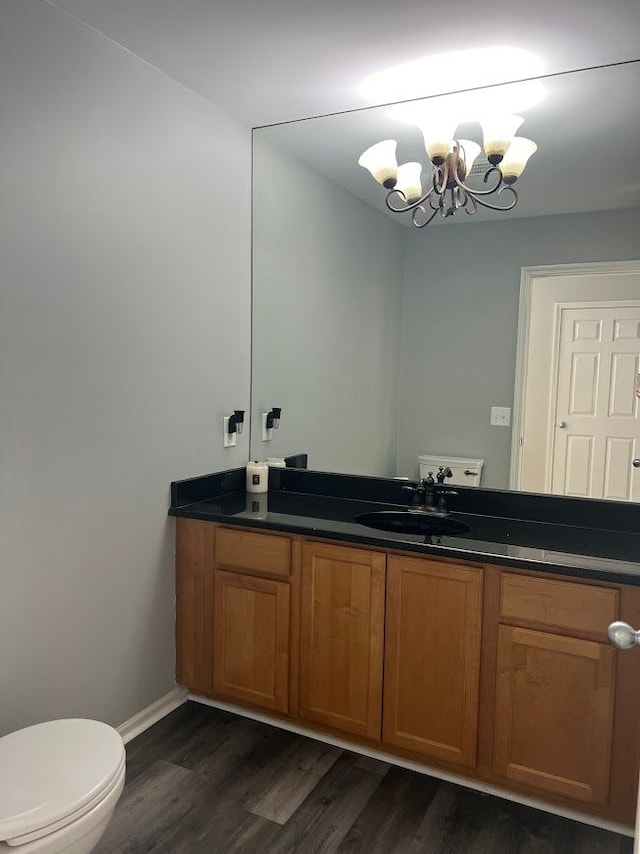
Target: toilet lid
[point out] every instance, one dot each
(54, 769)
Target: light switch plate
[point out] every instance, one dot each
(500, 416)
(267, 432)
(228, 439)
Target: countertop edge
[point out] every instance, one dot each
(380, 541)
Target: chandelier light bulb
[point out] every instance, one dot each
(469, 151)
(409, 183)
(438, 138)
(516, 157)
(498, 131)
(380, 160)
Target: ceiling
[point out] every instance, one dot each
(267, 61)
(572, 126)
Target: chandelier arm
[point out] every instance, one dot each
(443, 172)
(499, 185)
(492, 207)
(461, 196)
(470, 205)
(441, 207)
(407, 207)
(422, 210)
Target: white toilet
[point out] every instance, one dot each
(60, 782)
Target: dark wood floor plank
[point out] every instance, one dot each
(461, 820)
(437, 832)
(150, 806)
(374, 765)
(303, 767)
(325, 817)
(392, 815)
(225, 755)
(218, 827)
(220, 822)
(176, 737)
(242, 768)
(198, 778)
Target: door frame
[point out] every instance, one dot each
(528, 278)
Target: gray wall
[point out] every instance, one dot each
(461, 294)
(124, 339)
(327, 301)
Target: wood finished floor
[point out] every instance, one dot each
(203, 780)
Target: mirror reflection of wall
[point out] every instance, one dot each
(382, 342)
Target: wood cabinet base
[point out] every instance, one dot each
(493, 675)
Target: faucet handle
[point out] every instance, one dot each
(429, 479)
(416, 492)
(443, 472)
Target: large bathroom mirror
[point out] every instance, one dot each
(381, 341)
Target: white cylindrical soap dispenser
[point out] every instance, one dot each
(257, 477)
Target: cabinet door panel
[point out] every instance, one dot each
(251, 658)
(554, 713)
(432, 661)
(341, 637)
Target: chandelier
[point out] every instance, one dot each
(451, 161)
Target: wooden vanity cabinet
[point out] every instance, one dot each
(252, 616)
(505, 675)
(234, 614)
(555, 687)
(341, 634)
(432, 658)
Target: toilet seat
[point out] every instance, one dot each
(53, 773)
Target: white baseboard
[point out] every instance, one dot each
(477, 785)
(152, 714)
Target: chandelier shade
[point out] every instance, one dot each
(408, 182)
(516, 157)
(380, 160)
(438, 136)
(497, 132)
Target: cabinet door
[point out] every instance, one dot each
(194, 604)
(342, 616)
(251, 648)
(554, 713)
(432, 660)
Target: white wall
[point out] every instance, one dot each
(124, 339)
(327, 309)
(461, 294)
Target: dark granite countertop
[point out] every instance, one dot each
(529, 543)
